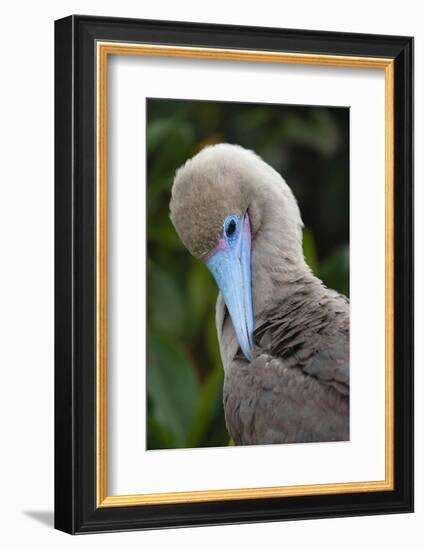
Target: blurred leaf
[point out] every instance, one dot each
(161, 130)
(157, 131)
(212, 342)
(170, 143)
(201, 292)
(157, 189)
(166, 308)
(334, 271)
(319, 131)
(208, 116)
(172, 140)
(309, 249)
(163, 234)
(210, 140)
(252, 123)
(158, 437)
(172, 386)
(209, 404)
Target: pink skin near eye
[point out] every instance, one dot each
(222, 245)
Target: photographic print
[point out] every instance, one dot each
(247, 274)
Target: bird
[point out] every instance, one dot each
(283, 335)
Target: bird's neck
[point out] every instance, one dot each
(276, 274)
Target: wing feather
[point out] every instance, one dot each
(312, 333)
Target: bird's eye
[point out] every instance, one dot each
(230, 228)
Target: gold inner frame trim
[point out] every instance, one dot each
(103, 50)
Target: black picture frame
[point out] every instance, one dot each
(76, 509)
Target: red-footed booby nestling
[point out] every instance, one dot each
(283, 336)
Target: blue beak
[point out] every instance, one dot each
(230, 264)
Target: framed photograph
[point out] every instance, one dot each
(234, 274)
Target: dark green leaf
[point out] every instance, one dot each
(201, 295)
(166, 308)
(334, 271)
(172, 386)
(158, 437)
(309, 249)
(209, 405)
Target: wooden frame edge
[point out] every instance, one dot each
(103, 49)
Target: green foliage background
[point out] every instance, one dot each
(309, 146)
